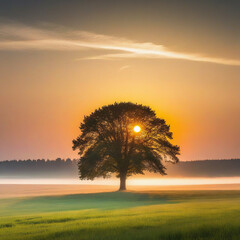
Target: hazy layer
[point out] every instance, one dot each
(131, 181)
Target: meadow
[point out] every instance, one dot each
(165, 215)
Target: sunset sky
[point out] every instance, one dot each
(59, 60)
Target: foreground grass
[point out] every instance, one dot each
(153, 215)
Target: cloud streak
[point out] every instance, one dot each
(21, 37)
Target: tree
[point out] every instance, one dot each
(123, 139)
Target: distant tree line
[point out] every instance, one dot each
(35, 168)
(205, 168)
(67, 168)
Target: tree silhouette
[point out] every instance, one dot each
(109, 145)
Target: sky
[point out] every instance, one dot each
(60, 60)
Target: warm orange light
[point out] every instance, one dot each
(137, 129)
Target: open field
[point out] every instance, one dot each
(168, 215)
(29, 190)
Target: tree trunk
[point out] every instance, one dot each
(122, 182)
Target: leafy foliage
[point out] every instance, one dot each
(108, 144)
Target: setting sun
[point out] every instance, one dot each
(137, 129)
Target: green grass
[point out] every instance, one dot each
(166, 215)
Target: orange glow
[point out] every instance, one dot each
(63, 73)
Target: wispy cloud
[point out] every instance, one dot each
(124, 67)
(20, 37)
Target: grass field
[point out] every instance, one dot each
(166, 215)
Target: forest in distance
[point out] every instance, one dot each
(67, 168)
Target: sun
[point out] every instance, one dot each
(137, 129)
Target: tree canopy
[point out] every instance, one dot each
(110, 143)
